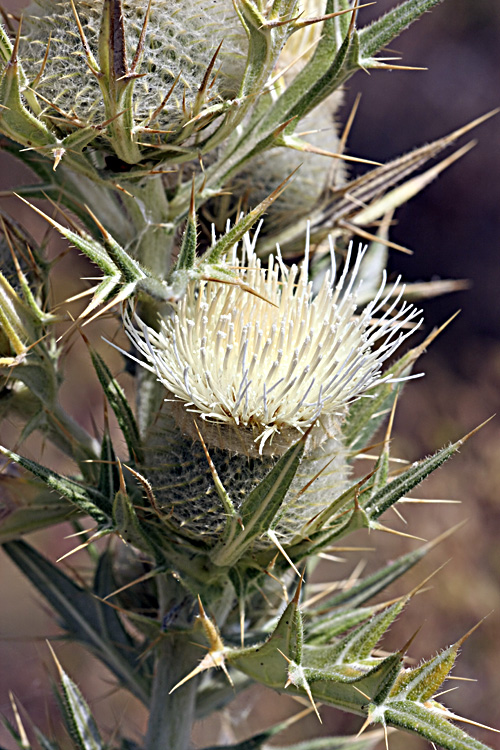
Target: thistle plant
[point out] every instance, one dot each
(190, 152)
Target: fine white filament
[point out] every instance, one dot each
(278, 358)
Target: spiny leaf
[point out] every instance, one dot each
(5, 45)
(340, 213)
(403, 484)
(368, 587)
(326, 50)
(343, 204)
(324, 629)
(87, 499)
(422, 683)
(83, 616)
(431, 723)
(347, 686)
(401, 194)
(266, 662)
(121, 407)
(243, 225)
(102, 293)
(335, 508)
(77, 715)
(129, 268)
(108, 472)
(187, 253)
(360, 643)
(317, 542)
(381, 32)
(342, 66)
(260, 46)
(264, 41)
(260, 507)
(83, 241)
(16, 121)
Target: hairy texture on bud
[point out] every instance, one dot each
(179, 473)
(316, 173)
(182, 481)
(180, 42)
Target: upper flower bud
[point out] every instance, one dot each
(260, 369)
(175, 53)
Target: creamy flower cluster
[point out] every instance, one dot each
(274, 361)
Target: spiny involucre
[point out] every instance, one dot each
(181, 39)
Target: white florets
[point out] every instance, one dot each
(275, 361)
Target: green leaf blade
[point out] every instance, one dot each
(368, 587)
(78, 717)
(431, 724)
(87, 499)
(377, 35)
(121, 407)
(408, 480)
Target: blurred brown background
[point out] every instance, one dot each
(454, 229)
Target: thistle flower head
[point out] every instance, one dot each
(260, 369)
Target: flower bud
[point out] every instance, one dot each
(180, 42)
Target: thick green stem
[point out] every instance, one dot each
(172, 714)
(171, 718)
(153, 245)
(150, 214)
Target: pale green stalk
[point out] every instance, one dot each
(171, 715)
